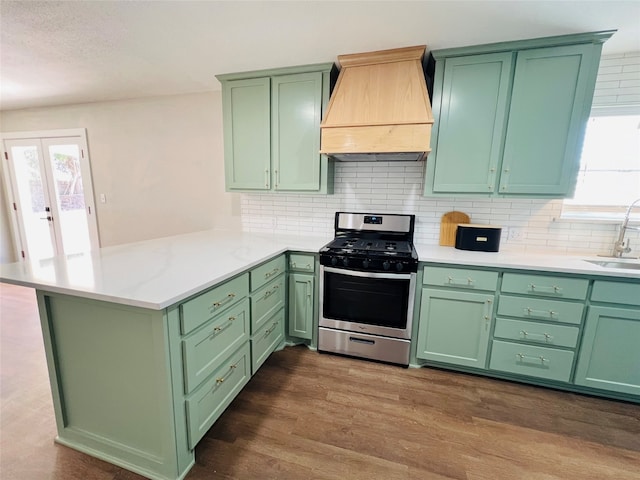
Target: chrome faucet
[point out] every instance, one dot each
(621, 246)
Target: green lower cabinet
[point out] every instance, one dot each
(301, 288)
(266, 301)
(454, 327)
(532, 361)
(610, 353)
(266, 340)
(208, 402)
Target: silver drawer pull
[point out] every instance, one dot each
(540, 313)
(522, 357)
(460, 281)
(544, 337)
(268, 332)
(271, 273)
(229, 297)
(545, 289)
(220, 380)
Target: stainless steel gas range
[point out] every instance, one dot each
(367, 287)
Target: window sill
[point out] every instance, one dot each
(600, 218)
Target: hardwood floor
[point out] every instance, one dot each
(310, 416)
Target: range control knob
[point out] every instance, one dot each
(365, 264)
(399, 266)
(386, 265)
(345, 262)
(334, 261)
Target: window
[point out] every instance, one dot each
(609, 176)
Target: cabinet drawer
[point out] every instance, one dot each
(206, 348)
(208, 402)
(266, 302)
(267, 272)
(534, 332)
(460, 278)
(545, 285)
(542, 362)
(301, 263)
(541, 308)
(201, 308)
(266, 340)
(616, 292)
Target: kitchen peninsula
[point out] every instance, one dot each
(123, 328)
(120, 326)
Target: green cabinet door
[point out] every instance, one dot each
(471, 123)
(301, 288)
(295, 131)
(454, 327)
(549, 108)
(246, 107)
(610, 352)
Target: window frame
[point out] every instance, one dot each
(602, 213)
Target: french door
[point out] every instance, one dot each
(51, 194)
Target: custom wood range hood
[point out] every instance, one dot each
(379, 109)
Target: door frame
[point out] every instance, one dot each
(87, 182)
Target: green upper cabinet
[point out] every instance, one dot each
(272, 129)
(295, 121)
(472, 125)
(246, 110)
(510, 117)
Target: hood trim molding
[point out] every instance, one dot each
(380, 104)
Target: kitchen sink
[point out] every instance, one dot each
(633, 265)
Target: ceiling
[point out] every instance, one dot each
(56, 53)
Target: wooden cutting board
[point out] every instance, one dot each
(448, 226)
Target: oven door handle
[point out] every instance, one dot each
(355, 273)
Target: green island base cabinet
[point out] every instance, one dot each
(139, 388)
(272, 129)
(572, 332)
(522, 108)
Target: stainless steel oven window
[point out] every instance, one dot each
(375, 303)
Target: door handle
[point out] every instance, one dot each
(48, 217)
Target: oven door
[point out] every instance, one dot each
(374, 303)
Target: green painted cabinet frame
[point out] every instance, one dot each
(272, 129)
(510, 117)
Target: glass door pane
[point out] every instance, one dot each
(31, 191)
(66, 176)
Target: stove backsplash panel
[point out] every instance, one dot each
(396, 187)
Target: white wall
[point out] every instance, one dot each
(159, 161)
(396, 187)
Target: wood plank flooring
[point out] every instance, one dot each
(310, 416)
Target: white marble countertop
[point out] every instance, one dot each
(155, 273)
(161, 272)
(550, 262)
